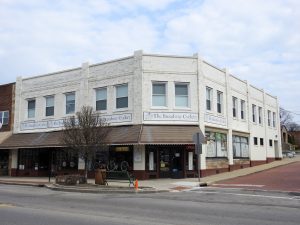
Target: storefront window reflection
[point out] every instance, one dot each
(240, 147)
(216, 144)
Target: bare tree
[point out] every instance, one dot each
(84, 133)
(285, 117)
(293, 126)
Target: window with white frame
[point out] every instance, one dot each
(101, 98)
(122, 96)
(181, 95)
(242, 109)
(240, 147)
(274, 119)
(159, 94)
(254, 113)
(219, 101)
(70, 103)
(31, 108)
(4, 117)
(49, 105)
(269, 118)
(259, 115)
(209, 97)
(234, 107)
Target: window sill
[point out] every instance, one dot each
(159, 107)
(218, 157)
(121, 109)
(182, 108)
(101, 111)
(48, 118)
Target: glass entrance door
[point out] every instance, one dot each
(170, 162)
(164, 163)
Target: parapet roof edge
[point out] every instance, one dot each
(171, 56)
(111, 61)
(49, 74)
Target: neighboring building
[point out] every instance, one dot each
(155, 104)
(286, 139)
(7, 92)
(295, 137)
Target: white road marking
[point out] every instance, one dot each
(251, 195)
(186, 184)
(240, 185)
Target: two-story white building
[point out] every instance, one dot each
(155, 103)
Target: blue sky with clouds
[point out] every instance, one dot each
(256, 40)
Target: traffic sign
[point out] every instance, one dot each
(198, 139)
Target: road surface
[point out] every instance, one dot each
(20, 205)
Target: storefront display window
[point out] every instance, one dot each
(120, 158)
(240, 147)
(216, 144)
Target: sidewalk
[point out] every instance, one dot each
(155, 185)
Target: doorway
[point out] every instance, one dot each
(171, 162)
(4, 155)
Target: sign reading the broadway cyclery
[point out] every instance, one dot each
(119, 118)
(170, 116)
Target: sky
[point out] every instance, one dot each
(257, 40)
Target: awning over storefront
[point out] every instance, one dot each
(4, 135)
(32, 140)
(162, 134)
(118, 135)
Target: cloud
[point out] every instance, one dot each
(256, 40)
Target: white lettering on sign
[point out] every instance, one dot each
(34, 125)
(215, 119)
(60, 123)
(171, 116)
(120, 118)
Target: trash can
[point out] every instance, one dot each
(100, 176)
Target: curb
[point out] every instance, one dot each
(23, 184)
(103, 190)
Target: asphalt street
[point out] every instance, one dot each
(210, 206)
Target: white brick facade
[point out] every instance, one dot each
(139, 72)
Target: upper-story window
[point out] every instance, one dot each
(274, 119)
(31, 108)
(219, 101)
(101, 99)
(4, 117)
(49, 105)
(242, 109)
(259, 115)
(269, 118)
(234, 107)
(70, 103)
(159, 94)
(181, 95)
(122, 96)
(209, 97)
(254, 113)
